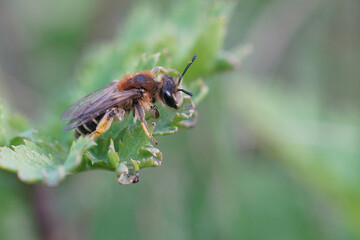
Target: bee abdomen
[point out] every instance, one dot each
(88, 127)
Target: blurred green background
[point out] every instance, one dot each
(275, 153)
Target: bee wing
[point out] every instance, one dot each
(83, 113)
(87, 102)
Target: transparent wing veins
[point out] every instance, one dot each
(95, 104)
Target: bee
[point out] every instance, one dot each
(94, 114)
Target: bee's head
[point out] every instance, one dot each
(170, 91)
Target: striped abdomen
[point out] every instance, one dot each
(88, 127)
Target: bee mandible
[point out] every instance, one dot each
(94, 114)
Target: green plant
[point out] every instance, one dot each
(51, 154)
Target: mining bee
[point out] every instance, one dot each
(94, 114)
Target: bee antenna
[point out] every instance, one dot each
(184, 91)
(187, 67)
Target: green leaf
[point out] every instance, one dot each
(43, 162)
(171, 120)
(125, 148)
(207, 45)
(77, 150)
(113, 157)
(135, 145)
(136, 148)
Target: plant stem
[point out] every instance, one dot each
(48, 222)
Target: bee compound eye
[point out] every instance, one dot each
(169, 100)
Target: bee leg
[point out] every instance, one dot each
(154, 112)
(139, 113)
(105, 123)
(156, 70)
(121, 114)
